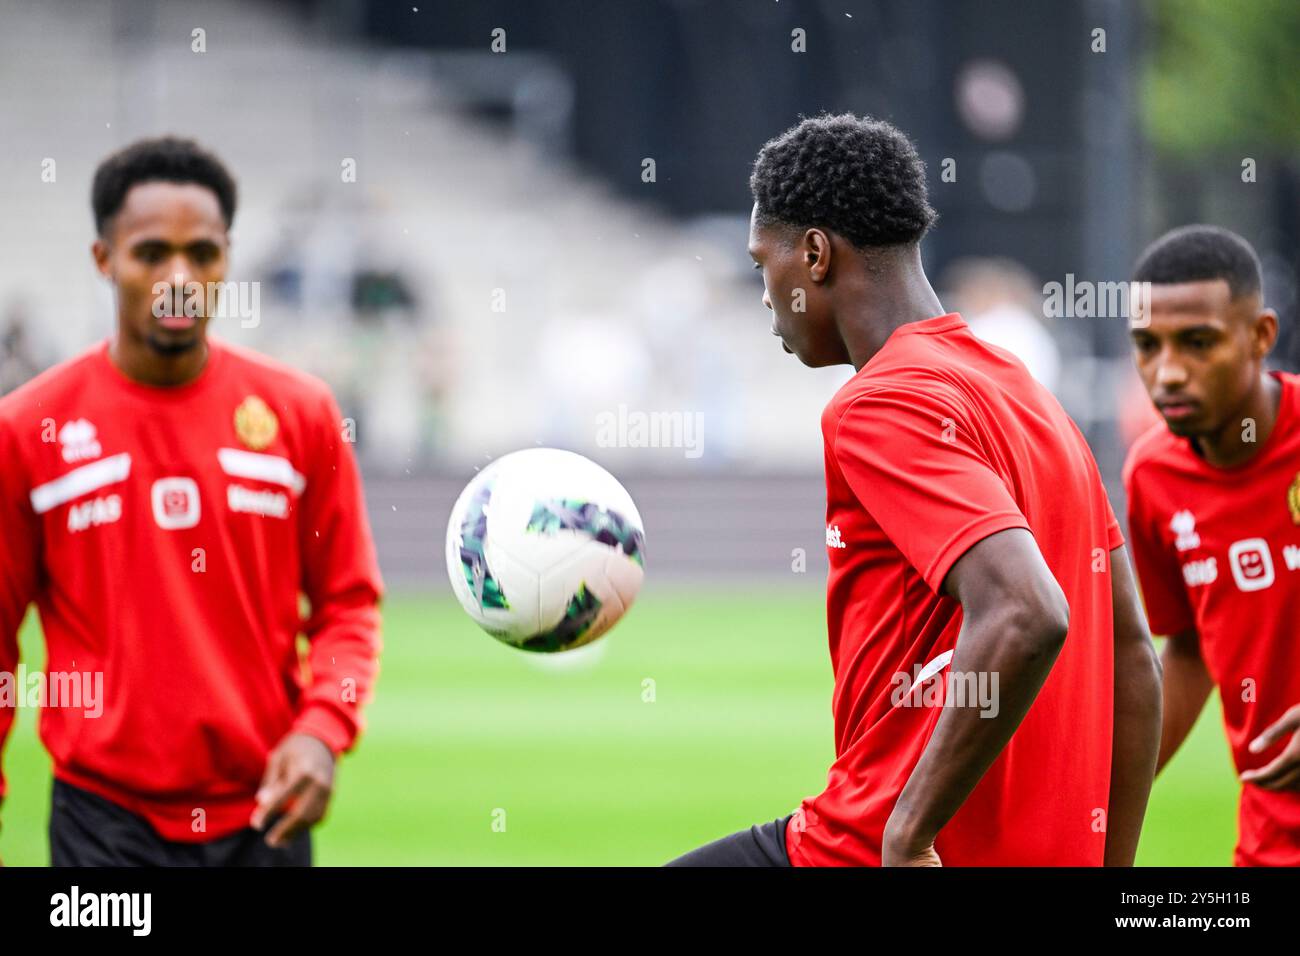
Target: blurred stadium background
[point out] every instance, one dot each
(502, 274)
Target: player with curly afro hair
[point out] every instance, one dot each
(859, 177)
(840, 208)
(964, 519)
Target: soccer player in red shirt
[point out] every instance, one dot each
(1214, 517)
(165, 498)
(996, 692)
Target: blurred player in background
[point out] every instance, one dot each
(970, 540)
(165, 499)
(1214, 516)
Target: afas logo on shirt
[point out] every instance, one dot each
(97, 511)
(175, 503)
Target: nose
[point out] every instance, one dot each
(1171, 375)
(180, 270)
(767, 301)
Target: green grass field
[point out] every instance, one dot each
(703, 712)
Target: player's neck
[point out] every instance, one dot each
(890, 301)
(1240, 440)
(142, 363)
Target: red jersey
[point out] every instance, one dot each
(939, 441)
(1218, 550)
(165, 535)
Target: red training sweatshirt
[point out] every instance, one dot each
(165, 534)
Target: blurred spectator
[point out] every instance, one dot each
(1001, 302)
(589, 364)
(337, 274)
(17, 362)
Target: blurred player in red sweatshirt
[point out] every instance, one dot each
(1214, 517)
(165, 498)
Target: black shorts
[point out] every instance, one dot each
(87, 830)
(762, 845)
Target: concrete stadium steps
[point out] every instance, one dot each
(462, 208)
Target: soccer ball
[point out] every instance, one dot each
(545, 550)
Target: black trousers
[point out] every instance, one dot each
(762, 845)
(87, 830)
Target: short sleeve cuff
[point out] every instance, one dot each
(967, 538)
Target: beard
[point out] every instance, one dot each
(173, 348)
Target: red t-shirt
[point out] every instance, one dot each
(938, 442)
(165, 535)
(1218, 550)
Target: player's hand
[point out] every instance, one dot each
(1283, 773)
(901, 848)
(298, 782)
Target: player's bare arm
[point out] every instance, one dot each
(1015, 620)
(1186, 687)
(1137, 728)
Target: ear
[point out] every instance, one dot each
(1265, 332)
(816, 254)
(100, 251)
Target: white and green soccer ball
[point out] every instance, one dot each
(545, 550)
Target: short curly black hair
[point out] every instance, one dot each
(858, 176)
(1199, 252)
(164, 159)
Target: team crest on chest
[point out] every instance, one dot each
(1293, 499)
(255, 423)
